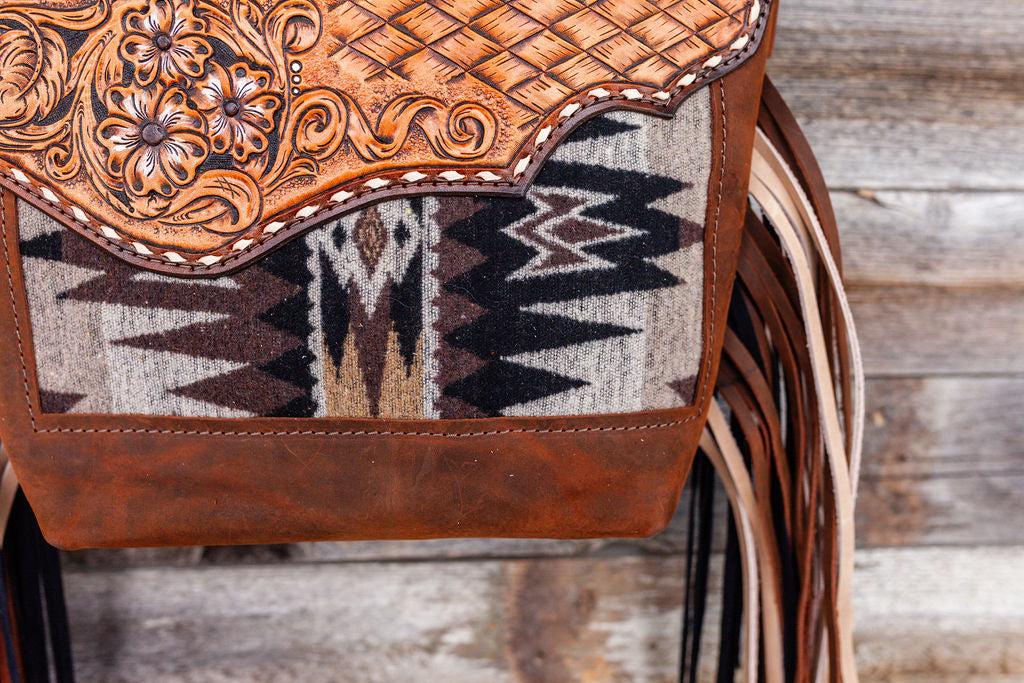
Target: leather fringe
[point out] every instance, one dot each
(35, 640)
(785, 431)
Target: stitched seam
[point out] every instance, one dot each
(368, 432)
(714, 238)
(14, 309)
(752, 45)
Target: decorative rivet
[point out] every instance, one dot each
(153, 133)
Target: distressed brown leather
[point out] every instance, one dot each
(138, 481)
(191, 136)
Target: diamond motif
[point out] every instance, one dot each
(721, 31)
(548, 12)
(467, 48)
(428, 23)
(505, 71)
(387, 9)
(621, 52)
(625, 13)
(585, 29)
(428, 64)
(687, 52)
(696, 14)
(544, 50)
(661, 31)
(387, 45)
(733, 7)
(656, 71)
(466, 10)
(507, 26)
(582, 71)
(540, 94)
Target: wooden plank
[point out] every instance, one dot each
(943, 462)
(941, 239)
(922, 614)
(545, 620)
(859, 155)
(940, 614)
(907, 94)
(915, 331)
(948, 510)
(944, 426)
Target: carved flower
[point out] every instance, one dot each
(165, 41)
(239, 108)
(154, 141)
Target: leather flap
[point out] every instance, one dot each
(191, 136)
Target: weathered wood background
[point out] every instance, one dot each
(916, 108)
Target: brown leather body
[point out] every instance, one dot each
(98, 480)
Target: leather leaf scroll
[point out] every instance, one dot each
(189, 136)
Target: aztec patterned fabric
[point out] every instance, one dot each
(585, 297)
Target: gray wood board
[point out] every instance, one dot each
(922, 614)
(939, 239)
(925, 331)
(907, 94)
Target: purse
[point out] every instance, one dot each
(301, 270)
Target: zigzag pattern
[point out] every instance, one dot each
(241, 350)
(501, 320)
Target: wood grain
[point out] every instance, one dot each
(907, 94)
(944, 426)
(515, 620)
(921, 331)
(940, 614)
(922, 615)
(939, 239)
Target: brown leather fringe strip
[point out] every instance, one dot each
(789, 409)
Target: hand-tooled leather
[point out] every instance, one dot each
(189, 136)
